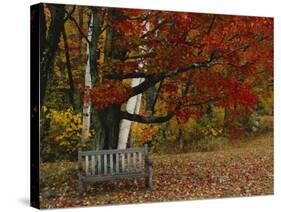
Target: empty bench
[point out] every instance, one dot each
(107, 165)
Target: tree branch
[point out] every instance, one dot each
(141, 18)
(139, 56)
(157, 26)
(215, 55)
(77, 26)
(146, 120)
(211, 24)
(210, 100)
(103, 29)
(151, 80)
(69, 13)
(120, 76)
(160, 119)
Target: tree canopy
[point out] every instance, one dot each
(188, 63)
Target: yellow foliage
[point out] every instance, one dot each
(143, 132)
(65, 128)
(44, 109)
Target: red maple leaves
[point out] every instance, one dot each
(241, 47)
(105, 94)
(184, 114)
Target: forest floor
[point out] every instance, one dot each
(244, 170)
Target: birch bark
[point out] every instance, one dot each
(133, 106)
(88, 83)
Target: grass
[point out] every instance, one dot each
(246, 169)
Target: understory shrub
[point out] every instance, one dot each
(61, 135)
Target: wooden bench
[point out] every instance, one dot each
(107, 165)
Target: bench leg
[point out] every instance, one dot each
(148, 179)
(81, 187)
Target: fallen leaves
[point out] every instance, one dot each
(243, 171)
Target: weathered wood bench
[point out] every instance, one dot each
(107, 165)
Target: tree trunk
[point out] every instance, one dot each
(111, 123)
(69, 71)
(43, 29)
(137, 111)
(81, 23)
(150, 95)
(156, 97)
(133, 106)
(105, 122)
(88, 83)
(50, 46)
(180, 139)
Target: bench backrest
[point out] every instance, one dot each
(112, 162)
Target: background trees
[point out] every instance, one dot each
(194, 67)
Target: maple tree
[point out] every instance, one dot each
(189, 53)
(191, 60)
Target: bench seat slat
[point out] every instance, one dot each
(117, 163)
(111, 151)
(129, 161)
(87, 165)
(105, 163)
(134, 161)
(93, 165)
(140, 161)
(111, 163)
(123, 162)
(99, 164)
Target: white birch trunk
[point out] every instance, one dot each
(137, 111)
(88, 83)
(133, 106)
